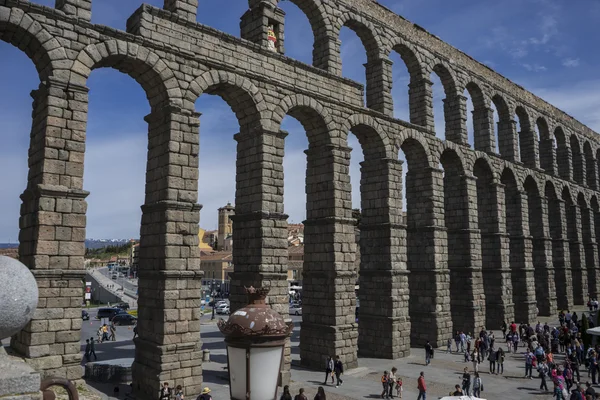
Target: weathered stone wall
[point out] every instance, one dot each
(489, 235)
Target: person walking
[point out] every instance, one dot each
(179, 393)
(399, 388)
(113, 331)
(543, 371)
(466, 382)
(385, 382)
(392, 382)
(135, 331)
(492, 360)
(500, 361)
(300, 395)
(165, 391)
(320, 394)
(428, 350)
(528, 364)
(449, 346)
(328, 370)
(475, 360)
(477, 385)
(338, 368)
(93, 349)
(286, 395)
(422, 387)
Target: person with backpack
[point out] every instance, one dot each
(477, 385)
(384, 384)
(528, 364)
(543, 371)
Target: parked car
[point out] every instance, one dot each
(124, 319)
(222, 309)
(296, 310)
(122, 306)
(114, 276)
(109, 312)
(85, 315)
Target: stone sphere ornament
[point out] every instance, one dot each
(18, 296)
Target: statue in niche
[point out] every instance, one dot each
(271, 38)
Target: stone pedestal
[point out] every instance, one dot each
(18, 381)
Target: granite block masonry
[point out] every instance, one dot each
(511, 219)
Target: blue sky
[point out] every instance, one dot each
(547, 46)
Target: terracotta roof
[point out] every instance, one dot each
(295, 264)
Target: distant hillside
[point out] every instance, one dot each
(9, 245)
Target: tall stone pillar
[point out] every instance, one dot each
(329, 276)
(186, 9)
(379, 86)
(384, 325)
(561, 260)
(81, 9)
(455, 115)
(256, 21)
(467, 298)
(483, 123)
(420, 98)
(52, 229)
(497, 281)
(545, 287)
(326, 53)
(259, 225)
(168, 346)
(429, 278)
(564, 161)
(577, 255)
(507, 140)
(548, 157)
(529, 148)
(521, 263)
(590, 246)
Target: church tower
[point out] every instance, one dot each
(225, 225)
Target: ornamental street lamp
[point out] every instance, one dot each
(255, 337)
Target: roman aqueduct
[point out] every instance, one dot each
(499, 230)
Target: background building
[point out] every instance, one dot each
(225, 229)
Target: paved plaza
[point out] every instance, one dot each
(359, 383)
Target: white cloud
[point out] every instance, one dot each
(534, 67)
(581, 100)
(571, 62)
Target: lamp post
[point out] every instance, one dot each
(212, 295)
(255, 338)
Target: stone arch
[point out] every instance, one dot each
(244, 98)
(323, 54)
(547, 151)
(364, 29)
(591, 179)
(453, 110)
(563, 154)
(528, 141)
(42, 48)
(313, 116)
(142, 64)
(482, 124)
(413, 143)
(506, 130)
(370, 135)
(419, 93)
(577, 159)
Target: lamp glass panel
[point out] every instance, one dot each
(237, 371)
(264, 372)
